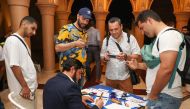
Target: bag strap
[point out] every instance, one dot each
(22, 42)
(107, 39)
(177, 61)
(175, 69)
(128, 36)
(182, 44)
(118, 46)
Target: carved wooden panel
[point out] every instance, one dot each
(64, 5)
(187, 5)
(101, 5)
(181, 5)
(139, 5)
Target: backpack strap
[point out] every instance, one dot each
(22, 42)
(120, 49)
(182, 44)
(107, 39)
(177, 61)
(128, 36)
(175, 69)
(157, 44)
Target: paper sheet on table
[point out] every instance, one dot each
(116, 106)
(131, 104)
(98, 92)
(136, 101)
(88, 90)
(118, 92)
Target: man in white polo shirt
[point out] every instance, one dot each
(21, 73)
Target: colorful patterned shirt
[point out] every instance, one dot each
(68, 34)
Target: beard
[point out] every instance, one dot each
(25, 33)
(75, 78)
(79, 82)
(82, 26)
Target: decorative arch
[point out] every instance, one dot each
(126, 17)
(5, 17)
(64, 5)
(101, 5)
(76, 5)
(165, 6)
(139, 5)
(181, 5)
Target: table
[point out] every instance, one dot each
(134, 101)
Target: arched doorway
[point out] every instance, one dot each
(77, 4)
(165, 11)
(36, 41)
(123, 10)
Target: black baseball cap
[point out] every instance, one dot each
(85, 12)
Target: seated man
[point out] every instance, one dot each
(63, 92)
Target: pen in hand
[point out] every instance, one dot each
(99, 102)
(101, 96)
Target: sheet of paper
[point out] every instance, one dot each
(116, 106)
(88, 90)
(119, 93)
(98, 92)
(136, 101)
(131, 104)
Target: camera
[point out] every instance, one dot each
(112, 56)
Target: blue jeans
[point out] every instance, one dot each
(164, 101)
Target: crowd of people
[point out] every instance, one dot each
(78, 43)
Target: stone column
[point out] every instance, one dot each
(100, 22)
(61, 19)
(6, 15)
(181, 19)
(138, 6)
(138, 35)
(18, 10)
(1, 17)
(48, 11)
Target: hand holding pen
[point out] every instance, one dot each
(99, 102)
(101, 95)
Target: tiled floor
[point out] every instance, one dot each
(42, 78)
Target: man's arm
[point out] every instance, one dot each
(63, 47)
(104, 54)
(167, 64)
(134, 64)
(142, 66)
(98, 103)
(133, 56)
(25, 92)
